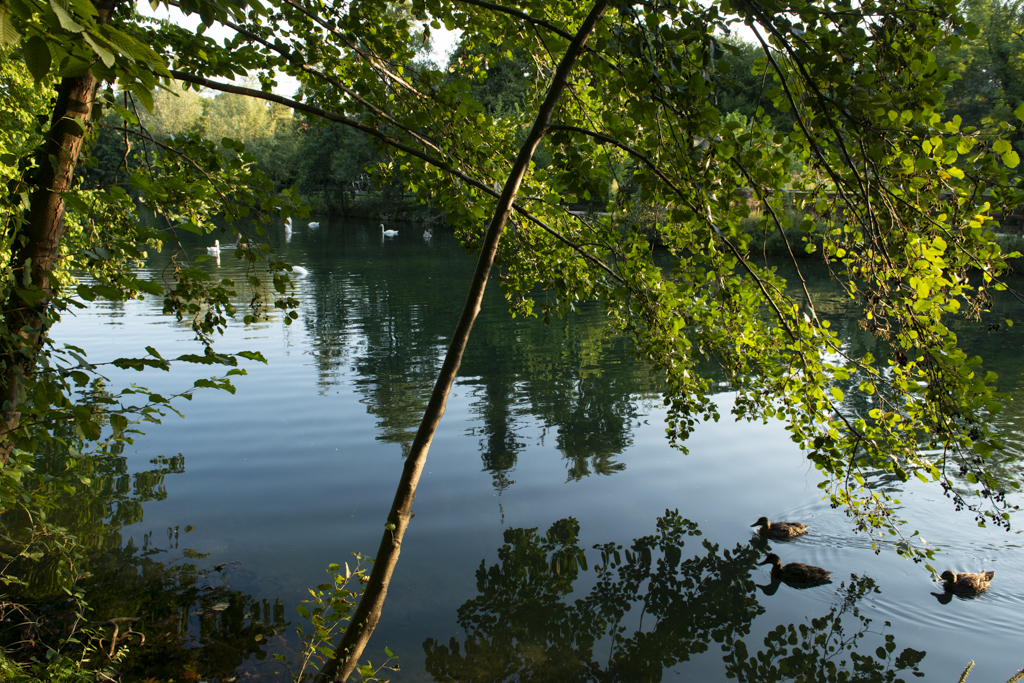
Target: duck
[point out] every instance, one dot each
(966, 582)
(314, 224)
(387, 233)
(796, 572)
(215, 249)
(780, 529)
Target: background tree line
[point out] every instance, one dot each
(333, 166)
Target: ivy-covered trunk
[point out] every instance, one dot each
(29, 288)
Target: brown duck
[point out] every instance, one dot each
(795, 572)
(780, 529)
(966, 582)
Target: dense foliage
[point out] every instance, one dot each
(830, 132)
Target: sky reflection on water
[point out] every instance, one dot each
(548, 427)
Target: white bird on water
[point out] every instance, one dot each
(215, 249)
(427, 234)
(314, 224)
(387, 233)
(300, 271)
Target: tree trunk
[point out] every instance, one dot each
(37, 246)
(367, 614)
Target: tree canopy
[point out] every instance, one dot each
(861, 161)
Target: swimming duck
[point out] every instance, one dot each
(795, 572)
(966, 582)
(780, 529)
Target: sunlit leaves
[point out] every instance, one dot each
(871, 178)
(326, 614)
(8, 33)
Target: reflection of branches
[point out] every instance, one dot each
(521, 627)
(811, 651)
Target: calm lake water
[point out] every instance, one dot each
(549, 465)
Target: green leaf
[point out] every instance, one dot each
(108, 292)
(1011, 159)
(118, 423)
(66, 22)
(150, 287)
(125, 114)
(37, 58)
(125, 44)
(144, 95)
(108, 59)
(31, 295)
(8, 34)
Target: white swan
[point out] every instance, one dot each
(427, 234)
(288, 225)
(300, 271)
(215, 249)
(388, 233)
(314, 224)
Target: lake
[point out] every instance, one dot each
(557, 535)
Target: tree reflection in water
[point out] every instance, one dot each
(196, 624)
(523, 627)
(815, 651)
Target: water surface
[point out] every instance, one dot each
(553, 443)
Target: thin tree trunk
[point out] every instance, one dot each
(367, 614)
(37, 247)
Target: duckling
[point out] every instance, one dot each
(780, 529)
(966, 582)
(796, 572)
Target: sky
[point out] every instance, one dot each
(443, 40)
